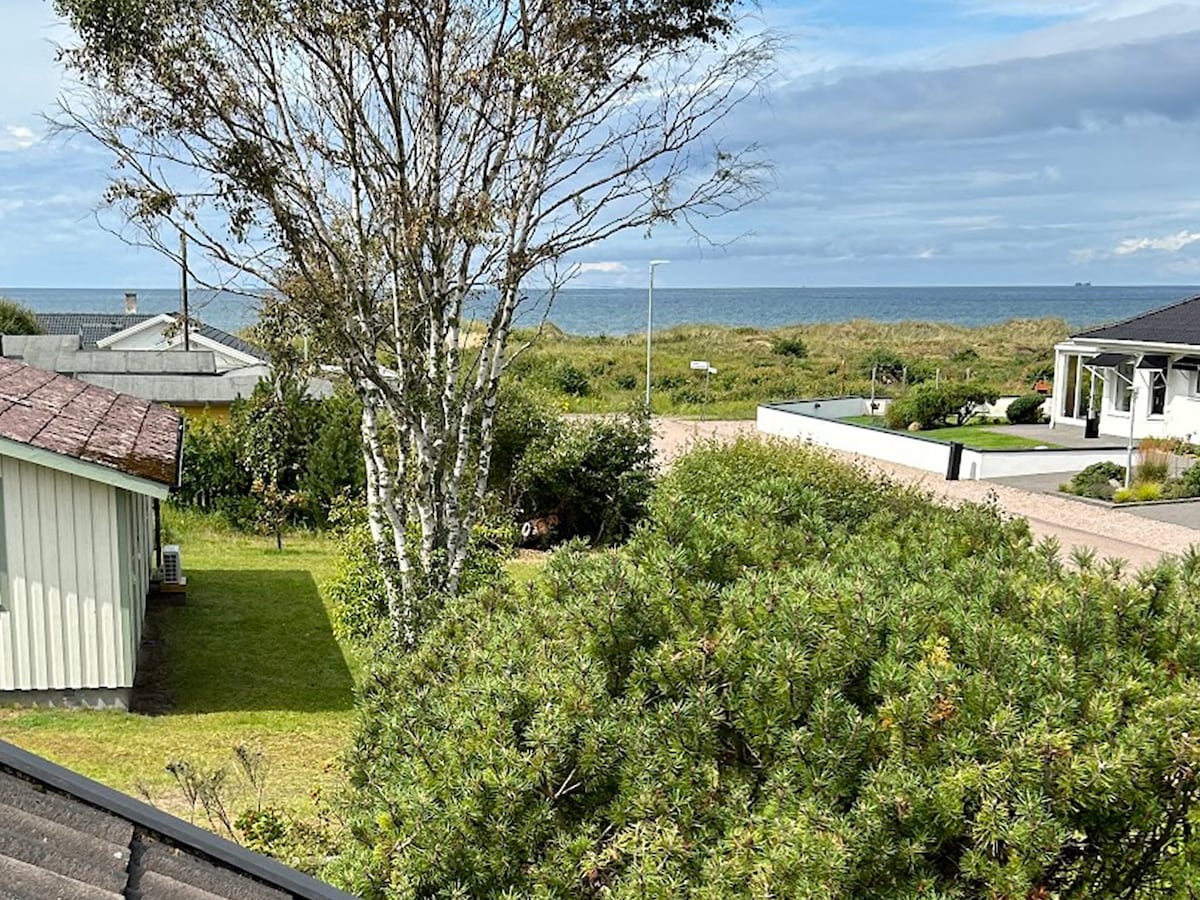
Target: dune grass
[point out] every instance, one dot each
(607, 373)
(251, 657)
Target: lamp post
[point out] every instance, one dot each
(650, 323)
(1133, 397)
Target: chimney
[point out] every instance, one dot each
(130, 303)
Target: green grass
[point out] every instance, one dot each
(976, 437)
(252, 656)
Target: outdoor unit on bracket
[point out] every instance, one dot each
(172, 569)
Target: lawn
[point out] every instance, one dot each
(976, 437)
(252, 656)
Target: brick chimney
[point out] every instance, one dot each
(130, 303)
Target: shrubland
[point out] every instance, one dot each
(794, 680)
(606, 373)
(284, 458)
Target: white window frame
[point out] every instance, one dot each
(1192, 376)
(1156, 374)
(1122, 397)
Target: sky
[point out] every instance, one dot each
(913, 142)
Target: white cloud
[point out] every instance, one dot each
(1171, 243)
(17, 137)
(608, 268)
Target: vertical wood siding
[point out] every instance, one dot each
(71, 602)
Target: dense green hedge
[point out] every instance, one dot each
(794, 682)
(1025, 410)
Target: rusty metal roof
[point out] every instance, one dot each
(80, 420)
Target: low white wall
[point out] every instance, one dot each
(893, 446)
(830, 408)
(924, 453)
(978, 464)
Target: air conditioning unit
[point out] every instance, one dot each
(172, 569)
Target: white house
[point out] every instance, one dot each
(144, 355)
(1140, 374)
(81, 471)
(140, 331)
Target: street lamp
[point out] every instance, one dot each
(650, 323)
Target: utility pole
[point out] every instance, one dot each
(187, 343)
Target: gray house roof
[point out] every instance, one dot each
(88, 327)
(185, 378)
(66, 836)
(93, 327)
(1178, 323)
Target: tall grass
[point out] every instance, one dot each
(1153, 460)
(752, 367)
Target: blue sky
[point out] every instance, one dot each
(921, 142)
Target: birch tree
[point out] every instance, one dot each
(399, 172)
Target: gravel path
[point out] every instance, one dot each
(1109, 532)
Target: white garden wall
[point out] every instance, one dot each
(892, 446)
(792, 421)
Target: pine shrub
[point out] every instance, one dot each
(1025, 410)
(794, 681)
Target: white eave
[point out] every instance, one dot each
(211, 344)
(146, 324)
(82, 468)
(166, 319)
(1129, 345)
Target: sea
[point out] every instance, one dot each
(618, 311)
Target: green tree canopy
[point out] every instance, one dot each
(398, 171)
(796, 682)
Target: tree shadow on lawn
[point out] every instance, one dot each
(245, 640)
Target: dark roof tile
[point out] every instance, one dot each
(164, 871)
(64, 836)
(78, 851)
(90, 327)
(1178, 323)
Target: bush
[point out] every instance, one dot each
(212, 472)
(794, 682)
(17, 319)
(356, 591)
(315, 449)
(1139, 493)
(571, 380)
(332, 465)
(794, 347)
(936, 406)
(523, 417)
(594, 475)
(1096, 481)
(1025, 410)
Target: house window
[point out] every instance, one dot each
(1158, 392)
(1123, 387)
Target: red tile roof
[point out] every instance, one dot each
(90, 423)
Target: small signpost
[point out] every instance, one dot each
(701, 365)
